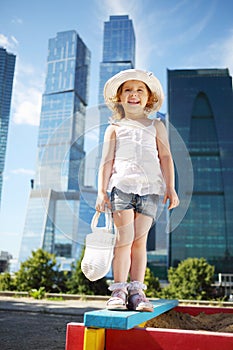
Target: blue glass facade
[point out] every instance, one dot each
(118, 54)
(62, 122)
(7, 68)
(53, 211)
(201, 109)
(51, 223)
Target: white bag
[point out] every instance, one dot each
(99, 249)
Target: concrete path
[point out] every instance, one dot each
(29, 324)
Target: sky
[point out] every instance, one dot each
(170, 34)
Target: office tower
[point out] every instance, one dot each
(53, 209)
(201, 109)
(118, 54)
(7, 68)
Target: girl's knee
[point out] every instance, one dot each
(139, 244)
(123, 246)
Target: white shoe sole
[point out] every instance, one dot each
(116, 307)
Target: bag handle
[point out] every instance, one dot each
(108, 219)
(95, 219)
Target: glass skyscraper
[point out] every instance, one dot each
(7, 69)
(53, 210)
(118, 54)
(201, 109)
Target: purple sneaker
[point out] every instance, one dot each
(139, 302)
(119, 297)
(117, 300)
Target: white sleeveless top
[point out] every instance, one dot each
(136, 167)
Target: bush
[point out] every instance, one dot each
(7, 282)
(192, 280)
(40, 270)
(152, 283)
(37, 293)
(79, 284)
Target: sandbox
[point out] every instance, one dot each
(155, 338)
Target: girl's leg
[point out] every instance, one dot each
(124, 223)
(137, 299)
(142, 225)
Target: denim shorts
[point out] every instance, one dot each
(146, 204)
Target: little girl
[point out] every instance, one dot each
(136, 168)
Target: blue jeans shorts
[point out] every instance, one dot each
(146, 204)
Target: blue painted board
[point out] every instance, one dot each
(126, 319)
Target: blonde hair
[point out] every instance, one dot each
(119, 112)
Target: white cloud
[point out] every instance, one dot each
(120, 7)
(14, 39)
(226, 52)
(17, 20)
(27, 94)
(23, 171)
(156, 29)
(218, 54)
(191, 32)
(27, 87)
(5, 177)
(27, 106)
(10, 44)
(4, 40)
(177, 6)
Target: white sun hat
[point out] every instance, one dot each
(112, 85)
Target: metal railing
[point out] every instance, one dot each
(225, 281)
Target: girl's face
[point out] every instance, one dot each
(134, 95)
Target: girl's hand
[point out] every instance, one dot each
(102, 202)
(171, 195)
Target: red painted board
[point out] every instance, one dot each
(163, 339)
(196, 310)
(74, 336)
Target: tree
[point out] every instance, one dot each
(79, 284)
(192, 280)
(6, 282)
(152, 283)
(40, 270)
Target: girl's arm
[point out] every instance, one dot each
(105, 169)
(167, 166)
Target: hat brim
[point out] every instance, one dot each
(113, 84)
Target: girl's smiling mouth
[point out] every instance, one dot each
(133, 102)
